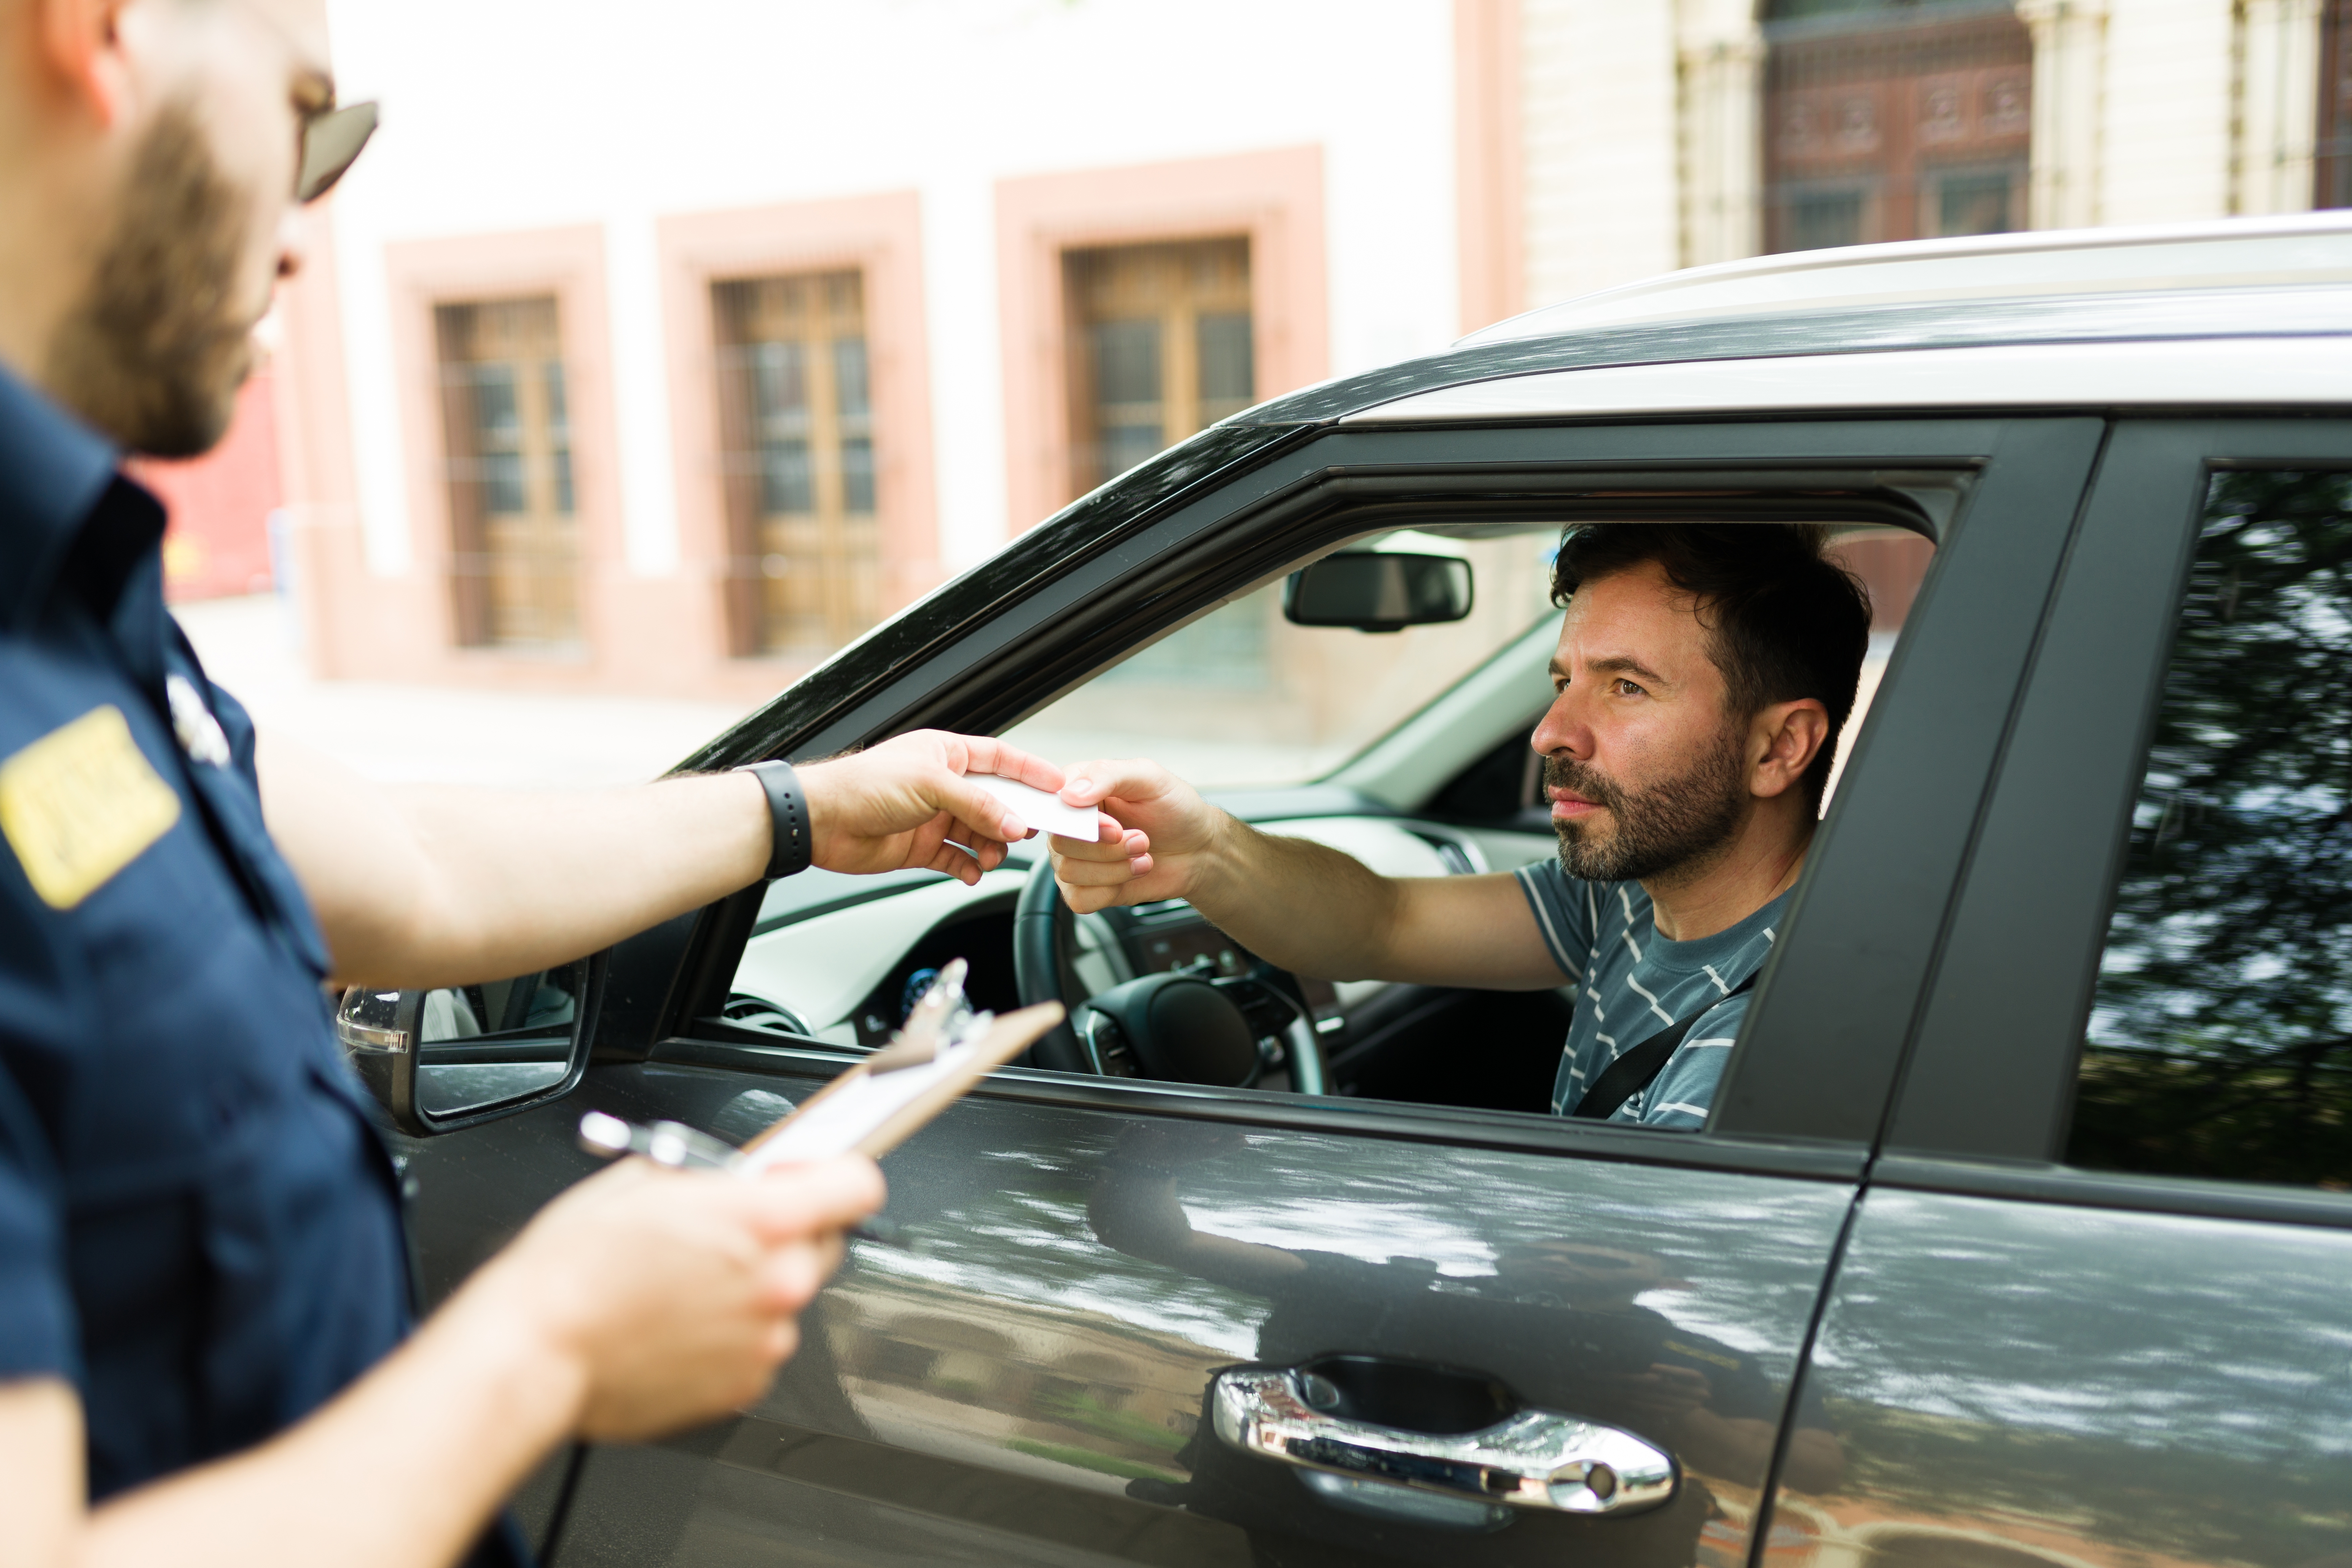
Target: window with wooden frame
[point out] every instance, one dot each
(797, 427)
(1160, 347)
(515, 545)
(1889, 120)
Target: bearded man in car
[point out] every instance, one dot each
(1703, 675)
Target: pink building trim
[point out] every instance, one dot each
(1490, 197)
(1274, 197)
(316, 463)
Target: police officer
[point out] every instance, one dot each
(204, 1352)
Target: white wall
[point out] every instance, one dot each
(1603, 191)
(2170, 66)
(517, 114)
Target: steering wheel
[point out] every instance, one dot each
(1180, 1027)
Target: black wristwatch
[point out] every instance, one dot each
(789, 817)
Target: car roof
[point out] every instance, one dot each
(2303, 248)
(2241, 279)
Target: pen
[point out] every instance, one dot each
(680, 1147)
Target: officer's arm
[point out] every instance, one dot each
(641, 1303)
(420, 886)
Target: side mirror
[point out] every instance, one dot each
(1377, 592)
(439, 1061)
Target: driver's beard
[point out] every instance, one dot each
(1672, 830)
(154, 350)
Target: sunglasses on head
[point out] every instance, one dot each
(331, 139)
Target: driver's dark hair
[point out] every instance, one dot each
(1783, 620)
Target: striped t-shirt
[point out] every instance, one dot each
(1631, 983)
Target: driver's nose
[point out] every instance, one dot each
(1560, 730)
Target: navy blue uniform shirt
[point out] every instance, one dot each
(199, 1226)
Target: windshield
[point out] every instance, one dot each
(1241, 697)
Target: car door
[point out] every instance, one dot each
(1027, 1377)
(2096, 1305)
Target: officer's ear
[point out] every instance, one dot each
(80, 44)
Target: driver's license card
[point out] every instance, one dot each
(1041, 809)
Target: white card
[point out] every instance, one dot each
(1042, 810)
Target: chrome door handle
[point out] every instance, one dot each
(1534, 1459)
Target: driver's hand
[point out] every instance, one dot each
(909, 803)
(1169, 833)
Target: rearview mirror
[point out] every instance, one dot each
(439, 1061)
(1377, 592)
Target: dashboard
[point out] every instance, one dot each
(841, 959)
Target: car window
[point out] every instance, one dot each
(2220, 1042)
(1433, 722)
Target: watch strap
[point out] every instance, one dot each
(788, 817)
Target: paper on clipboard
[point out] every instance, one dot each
(872, 1112)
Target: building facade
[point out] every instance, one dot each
(666, 354)
(1604, 142)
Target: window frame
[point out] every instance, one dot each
(1991, 1078)
(879, 236)
(1274, 197)
(1021, 652)
(1894, 58)
(1175, 311)
(848, 580)
(422, 276)
(480, 563)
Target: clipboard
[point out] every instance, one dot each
(879, 1103)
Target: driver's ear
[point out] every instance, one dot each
(1792, 735)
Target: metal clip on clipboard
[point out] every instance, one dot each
(942, 1020)
(945, 1047)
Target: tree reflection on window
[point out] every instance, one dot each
(2221, 1039)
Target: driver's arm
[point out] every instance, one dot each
(1302, 906)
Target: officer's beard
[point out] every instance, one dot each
(1673, 831)
(156, 349)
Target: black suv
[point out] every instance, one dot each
(2019, 1231)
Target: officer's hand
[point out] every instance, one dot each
(1170, 839)
(907, 803)
(672, 1294)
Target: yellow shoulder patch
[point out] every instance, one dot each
(80, 804)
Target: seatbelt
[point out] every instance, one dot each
(1633, 1070)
